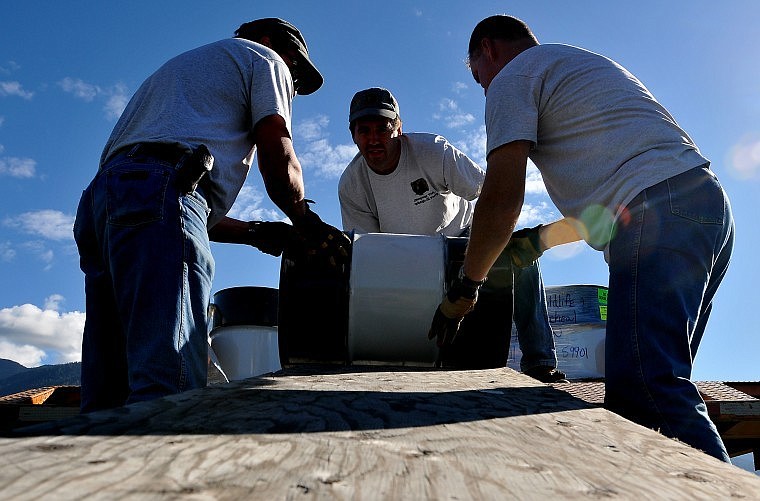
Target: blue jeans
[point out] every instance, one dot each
(534, 333)
(667, 258)
(148, 268)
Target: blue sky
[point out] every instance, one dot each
(67, 70)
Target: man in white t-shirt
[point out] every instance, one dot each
(616, 163)
(169, 173)
(418, 183)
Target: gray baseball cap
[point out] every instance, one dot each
(374, 101)
(306, 76)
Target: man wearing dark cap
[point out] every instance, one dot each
(420, 184)
(168, 175)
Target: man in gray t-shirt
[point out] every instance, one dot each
(418, 183)
(634, 185)
(170, 171)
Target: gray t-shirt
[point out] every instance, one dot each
(210, 95)
(430, 192)
(599, 136)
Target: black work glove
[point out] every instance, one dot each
(460, 300)
(270, 237)
(524, 247)
(321, 241)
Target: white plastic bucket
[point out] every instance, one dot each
(243, 337)
(578, 316)
(245, 351)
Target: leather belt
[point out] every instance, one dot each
(171, 153)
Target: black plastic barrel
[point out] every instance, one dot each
(485, 333)
(244, 306)
(313, 312)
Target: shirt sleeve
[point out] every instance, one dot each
(271, 91)
(512, 109)
(463, 176)
(355, 210)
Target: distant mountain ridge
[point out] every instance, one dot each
(9, 368)
(15, 378)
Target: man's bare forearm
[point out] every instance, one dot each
(497, 209)
(558, 233)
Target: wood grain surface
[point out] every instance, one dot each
(362, 433)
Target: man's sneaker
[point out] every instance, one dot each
(547, 374)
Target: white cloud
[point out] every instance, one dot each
(312, 128)
(248, 206)
(451, 115)
(9, 67)
(116, 102)
(325, 159)
(534, 182)
(17, 167)
(53, 302)
(32, 336)
(25, 354)
(47, 255)
(116, 97)
(39, 249)
(316, 153)
(8, 88)
(47, 223)
(7, 252)
(533, 214)
(474, 145)
(79, 88)
(459, 87)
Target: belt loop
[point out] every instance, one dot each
(134, 149)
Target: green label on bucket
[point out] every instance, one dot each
(601, 294)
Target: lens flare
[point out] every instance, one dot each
(598, 224)
(744, 157)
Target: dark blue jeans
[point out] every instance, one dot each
(148, 268)
(671, 249)
(534, 333)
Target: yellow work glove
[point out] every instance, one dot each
(524, 247)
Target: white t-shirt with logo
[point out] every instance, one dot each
(430, 192)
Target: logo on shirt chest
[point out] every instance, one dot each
(422, 189)
(420, 186)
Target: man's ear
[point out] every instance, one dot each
(489, 48)
(266, 41)
(351, 128)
